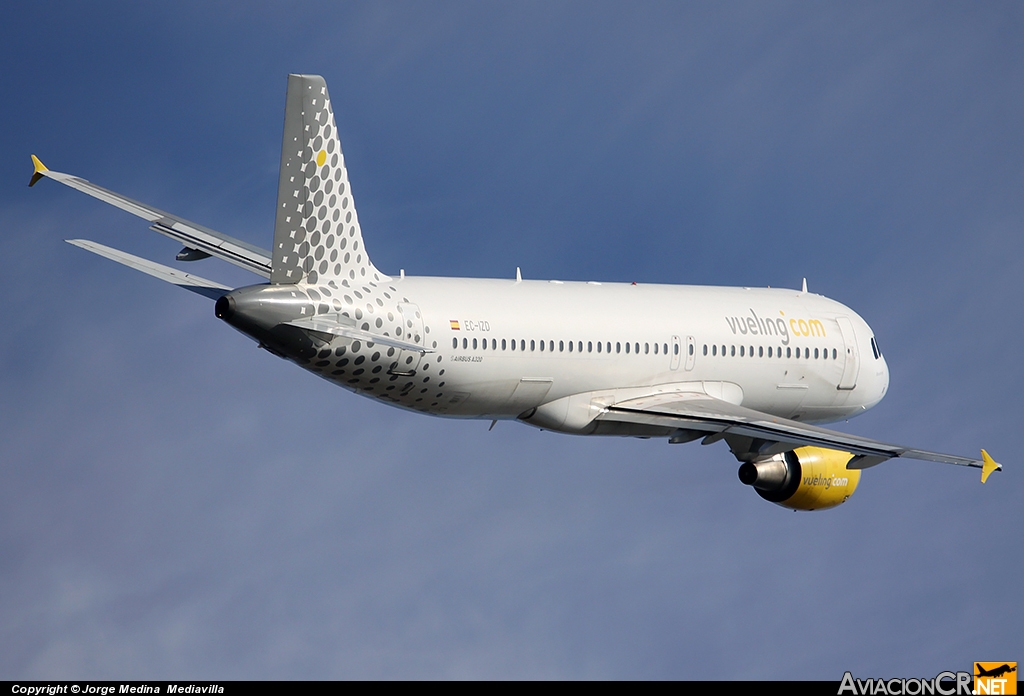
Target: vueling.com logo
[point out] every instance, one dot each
(826, 481)
(760, 326)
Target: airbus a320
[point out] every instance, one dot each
(755, 367)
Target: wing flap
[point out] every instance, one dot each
(201, 286)
(215, 244)
(719, 418)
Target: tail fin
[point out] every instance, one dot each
(316, 235)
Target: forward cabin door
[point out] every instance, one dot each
(408, 361)
(851, 368)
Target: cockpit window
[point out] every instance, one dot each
(874, 349)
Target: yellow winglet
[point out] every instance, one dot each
(40, 171)
(988, 466)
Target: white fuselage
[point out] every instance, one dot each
(507, 346)
(751, 366)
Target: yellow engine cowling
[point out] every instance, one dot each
(807, 478)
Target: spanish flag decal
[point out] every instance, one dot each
(455, 324)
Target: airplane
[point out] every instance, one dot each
(755, 367)
(995, 671)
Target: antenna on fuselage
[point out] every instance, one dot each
(804, 288)
(519, 275)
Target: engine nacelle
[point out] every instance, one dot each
(807, 478)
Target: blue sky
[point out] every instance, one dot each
(176, 503)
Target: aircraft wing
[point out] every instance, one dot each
(192, 235)
(768, 434)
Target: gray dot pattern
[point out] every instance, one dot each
(318, 248)
(317, 237)
(366, 367)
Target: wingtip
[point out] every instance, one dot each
(40, 171)
(988, 466)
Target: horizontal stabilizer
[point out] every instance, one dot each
(198, 285)
(328, 326)
(194, 236)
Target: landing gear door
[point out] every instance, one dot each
(408, 361)
(851, 366)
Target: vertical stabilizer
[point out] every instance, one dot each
(316, 233)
